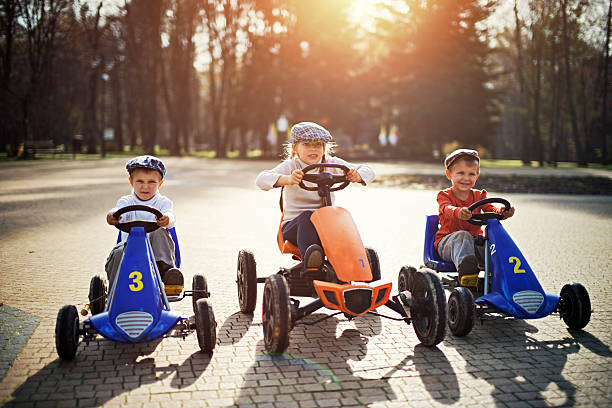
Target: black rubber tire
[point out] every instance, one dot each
(198, 285)
(246, 280)
(97, 295)
(67, 332)
(374, 263)
(276, 314)
(206, 326)
(575, 306)
(405, 278)
(460, 311)
(430, 322)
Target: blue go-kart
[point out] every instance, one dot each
(136, 309)
(508, 287)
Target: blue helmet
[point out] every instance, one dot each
(146, 162)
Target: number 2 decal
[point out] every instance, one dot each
(517, 264)
(492, 248)
(137, 279)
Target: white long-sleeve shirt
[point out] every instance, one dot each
(158, 201)
(298, 200)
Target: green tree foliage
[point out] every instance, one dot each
(215, 74)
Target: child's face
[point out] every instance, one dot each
(145, 183)
(463, 175)
(311, 152)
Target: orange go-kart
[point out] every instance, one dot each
(349, 280)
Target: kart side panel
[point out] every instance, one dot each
(342, 243)
(512, 278)
(136, 291)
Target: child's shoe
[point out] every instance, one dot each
(468, 271)
(313, 258)
(173, 282)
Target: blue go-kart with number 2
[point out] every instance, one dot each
(136, 309)
(509, 287)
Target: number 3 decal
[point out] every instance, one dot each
(137, 279)
(517, 264)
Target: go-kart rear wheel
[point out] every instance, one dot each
(206, 326)
(276, 314)
(405, 278)
(200, 290)
(246, 281)
(97, 295)
(460, 312)
(67, 332)
(374, 263)
(429, 313)
(575, 306)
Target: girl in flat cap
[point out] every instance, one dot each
(309, 143)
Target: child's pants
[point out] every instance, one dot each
(161, 243)
(456, 246)
(300, 231)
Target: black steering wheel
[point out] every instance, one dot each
(481, 219)
(149, 226)
(325, 179)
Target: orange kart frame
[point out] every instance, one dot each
(349, 280)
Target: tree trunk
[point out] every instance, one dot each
(569, 89)
(555, 105)
(537, 142)
(605, 129)
(524, 128)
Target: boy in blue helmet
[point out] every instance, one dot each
(146, 177)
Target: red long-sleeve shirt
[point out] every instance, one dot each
(449, 206)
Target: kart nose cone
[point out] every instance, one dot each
(134, 323)
(357, 300)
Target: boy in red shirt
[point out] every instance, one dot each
(455, 240)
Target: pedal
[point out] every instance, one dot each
(469, 280)
(173, 290)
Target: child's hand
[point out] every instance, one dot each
(353, 176)
(163, 221)
(464, 214)
(296, 177)
(112, 220)
(508, 213)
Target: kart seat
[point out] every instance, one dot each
(430, 255)
(286, 247)
(177, 251)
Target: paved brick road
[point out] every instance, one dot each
(54, 239)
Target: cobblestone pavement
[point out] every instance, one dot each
(54, 239)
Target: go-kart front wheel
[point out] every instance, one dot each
(575, 306)
(246, 280)
(460, 311)
(206, 326)
(405, 278)
(276, 314)
(429, 310)
(67, 332)
(200, 290)
(97, 295)
(374, 263)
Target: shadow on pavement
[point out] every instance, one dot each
(316, 367)
(190, 370)
(591, 342)
(100, 372)
(234, 328)
(519, 367)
